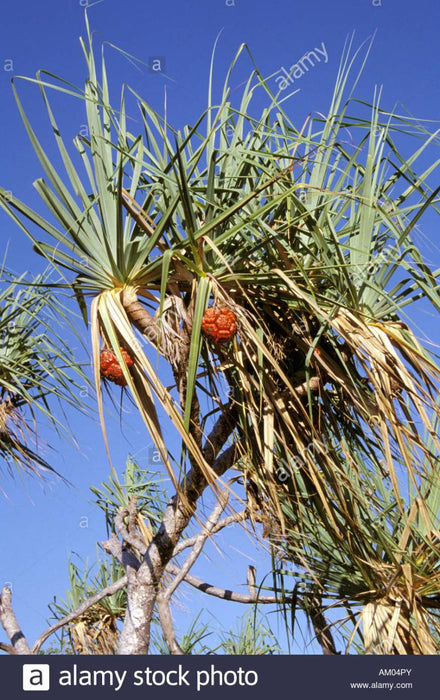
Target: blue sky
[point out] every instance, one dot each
(42, 521)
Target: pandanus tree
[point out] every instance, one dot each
(37, 369)
(318, 405)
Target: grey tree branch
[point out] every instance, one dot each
(321, 627)
(115, 547)
(226, 594)
(129, 534)
(225, 522)
(227, 458)
(251, 581)
(122, 582)
(166, 621)
(198, 546)
(88, 603)
(222, 429)
(10, 623)
(143, 588)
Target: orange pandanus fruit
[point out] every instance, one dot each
(110, 367)
(220, 325)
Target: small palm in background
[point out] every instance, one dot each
(252, 636)
(37, 368)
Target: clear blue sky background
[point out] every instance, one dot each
(40, 523)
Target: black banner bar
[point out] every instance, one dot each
(213, 677)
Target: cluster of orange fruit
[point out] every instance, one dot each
(110, 367)
(219, 325)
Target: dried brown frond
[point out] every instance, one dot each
(95, 632)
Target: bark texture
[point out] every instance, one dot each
(10, 624)
(144, 584)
